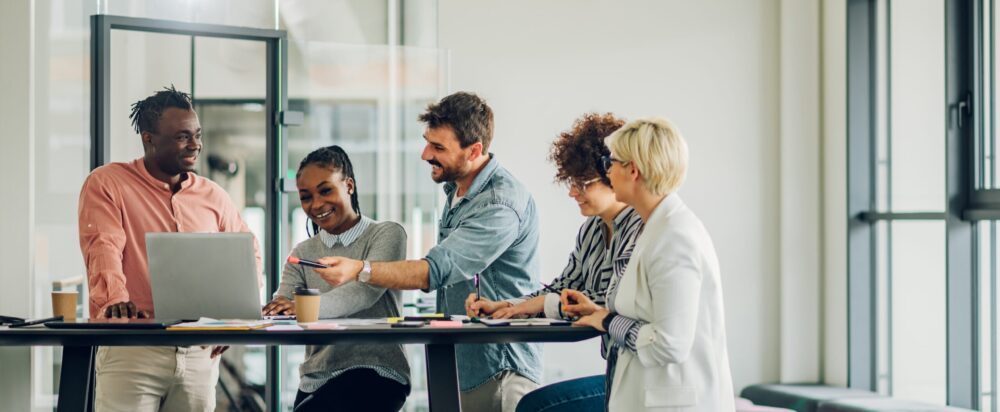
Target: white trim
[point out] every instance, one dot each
(834, 344)
(800, 183)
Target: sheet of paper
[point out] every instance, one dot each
(283, 328)
(535, 322)
(323, 326)
(205, 323)
(358, 322)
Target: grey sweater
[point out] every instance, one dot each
(381, 241)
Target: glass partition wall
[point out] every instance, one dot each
(347, 74)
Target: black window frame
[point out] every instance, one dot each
(964, 203)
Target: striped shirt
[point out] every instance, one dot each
(591, 265)
(622, 330)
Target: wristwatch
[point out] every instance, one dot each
(606, 322)
(366, 273)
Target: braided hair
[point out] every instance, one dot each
(146, 112)
(332, 157)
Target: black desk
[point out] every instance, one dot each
(79, 346)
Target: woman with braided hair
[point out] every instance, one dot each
(344, 377)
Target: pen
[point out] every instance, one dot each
(550, 288)
(296, 261)
(476, 278)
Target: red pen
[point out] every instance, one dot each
(304, 262)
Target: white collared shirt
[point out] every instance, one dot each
(349, 236)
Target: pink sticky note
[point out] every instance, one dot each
(446, 323)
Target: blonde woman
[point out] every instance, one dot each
(664, 314)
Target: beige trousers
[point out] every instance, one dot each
(155, 379)
(500, 394)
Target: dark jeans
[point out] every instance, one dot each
(576, 395)
(355, 390)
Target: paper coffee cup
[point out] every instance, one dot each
(307, 305)
(64, 303)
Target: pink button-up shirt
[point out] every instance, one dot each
(119, 204)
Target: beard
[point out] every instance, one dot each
(447, 174)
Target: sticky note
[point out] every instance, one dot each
(446, 323)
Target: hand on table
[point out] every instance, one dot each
(575, 303)
(482, 307)
(125, 310)
(279, 306)
(594, 320)
(519, 311)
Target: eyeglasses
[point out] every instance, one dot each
(606, 163)
(581, 186)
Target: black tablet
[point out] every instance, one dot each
(116, 323)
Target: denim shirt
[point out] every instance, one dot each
(492, 231)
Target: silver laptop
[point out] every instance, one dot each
(197, 275)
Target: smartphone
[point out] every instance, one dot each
(427, 317)
(10, 320)
(408, 324)
(37, 321)
(495, 322)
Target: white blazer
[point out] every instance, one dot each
(672, 283)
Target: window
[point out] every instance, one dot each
(983, 201)
(919, 263)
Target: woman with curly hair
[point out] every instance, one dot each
(603, 246)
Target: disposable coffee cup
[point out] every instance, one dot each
(64, 304)
(306, 305)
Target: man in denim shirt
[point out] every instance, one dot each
(490, 227)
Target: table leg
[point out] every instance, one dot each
(442, 378)
(76, 379)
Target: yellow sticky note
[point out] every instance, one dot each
(394, 320)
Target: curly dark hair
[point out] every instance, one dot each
(577, 151)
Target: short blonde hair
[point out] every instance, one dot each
(656, 148)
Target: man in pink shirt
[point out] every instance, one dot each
(119, 204)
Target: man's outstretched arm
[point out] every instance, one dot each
(403, 274)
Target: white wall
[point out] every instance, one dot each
(711, 67)
(834, 76)
(16, 217)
